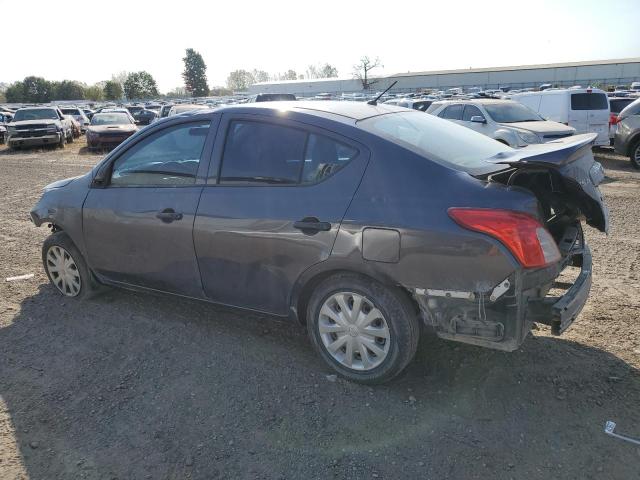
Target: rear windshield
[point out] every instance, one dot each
(275, 97)
(589, 101)
(511, 113)
(437, 139)
(617, 104)
(70, 111)
(110, 119)
(35, 114)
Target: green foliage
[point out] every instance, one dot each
(32, 90)
(139, 85)
(94, 92)
(112, 90)
(195, 74)
(239, 80)
(67, 90)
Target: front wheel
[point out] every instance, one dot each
(366, 332)
(65, 266)
(634, 156)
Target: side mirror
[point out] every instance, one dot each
(102, 176)
(478, 119)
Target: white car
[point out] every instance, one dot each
(585, 109)
(413, 103)
(507, 121)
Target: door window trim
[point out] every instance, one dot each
(205, 156)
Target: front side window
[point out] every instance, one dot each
(265, 153)
(166, 158)
(452, 112)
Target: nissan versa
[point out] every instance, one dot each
(360, 221)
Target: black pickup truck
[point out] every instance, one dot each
(39, 126)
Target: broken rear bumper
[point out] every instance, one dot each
(503, 323)
(560, 312)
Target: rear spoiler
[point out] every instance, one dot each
(557, 153)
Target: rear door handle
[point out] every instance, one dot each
(168, 215)
(312, 225)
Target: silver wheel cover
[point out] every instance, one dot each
(63, 271)
(353, 331)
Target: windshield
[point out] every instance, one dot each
(511, 113)
(437, 139)
(35, 114)
(110, 119)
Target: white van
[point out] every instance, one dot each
(585, 109)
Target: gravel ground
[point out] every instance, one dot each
(135, 386)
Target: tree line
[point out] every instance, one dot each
(142, 85)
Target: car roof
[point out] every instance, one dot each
(329, 109)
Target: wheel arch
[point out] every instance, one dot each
(311, 278)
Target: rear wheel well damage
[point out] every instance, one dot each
(301, 300)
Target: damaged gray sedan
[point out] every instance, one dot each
(358, 221)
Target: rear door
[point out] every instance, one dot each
(589, 113)
(276, 196)
(138, 226)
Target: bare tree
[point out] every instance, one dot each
(362, 70)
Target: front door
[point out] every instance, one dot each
(274, 208)
(138, 228)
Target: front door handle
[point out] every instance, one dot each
(168, 215)
(312, 225)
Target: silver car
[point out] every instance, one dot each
(627, 139)
(507, 121)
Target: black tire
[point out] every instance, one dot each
(88, 285)
(634, 154)
(62, 140)
(398, 311)
(70, 138)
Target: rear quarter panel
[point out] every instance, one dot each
(405, 192)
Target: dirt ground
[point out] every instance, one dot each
(135, 386)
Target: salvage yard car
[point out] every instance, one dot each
(507, 121)
(39, 126)
(358, 220)
(585, 109)
(109, 129)
(627, 137)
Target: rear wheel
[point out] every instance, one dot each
(365, 331)
(65, 267)
(634, 156)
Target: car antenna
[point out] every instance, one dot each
(375, 100)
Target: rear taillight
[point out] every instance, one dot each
(524, 236)
(613, 119)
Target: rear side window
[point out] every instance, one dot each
(589, 101)
(452, 112)
(264, 153)
(324, 156)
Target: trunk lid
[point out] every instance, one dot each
(573, 175)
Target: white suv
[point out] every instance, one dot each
(507, 121)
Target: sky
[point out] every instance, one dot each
(89, 40)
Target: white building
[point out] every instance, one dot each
(603, 72)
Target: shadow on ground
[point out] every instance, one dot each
(131, 385)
